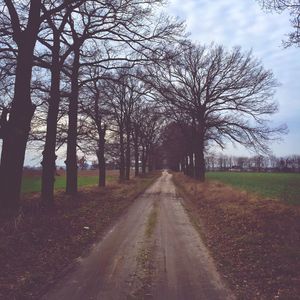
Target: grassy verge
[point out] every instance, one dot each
(39, 244)
(32, 183)
(256, 244)
(282, 186)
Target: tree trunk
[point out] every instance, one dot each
(144, 160)
(192, 165)
(150, 161)
(122, 158)
(49, 156)
(135, 135)
(186, 165)
(200, 162)
(71, 161)
(182, 166)
(17, 128)
(12, 158)
(3, 121)
(136, 158)
(101, 159)
(127, 156)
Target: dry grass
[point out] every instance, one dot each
(151, 222)
(256, 243)
(39, 244)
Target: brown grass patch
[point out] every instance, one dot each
(255, 242)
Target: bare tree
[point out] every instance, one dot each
(128, 25)
(54, 27)
(221, 95)
(137, 121)
(124, 93)
(22, 21)
(175, 147)
(151, 129)
(96, 119)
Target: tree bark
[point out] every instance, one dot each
(182, 164)
(122, 158)
(3, 121)
(150, 161)
(127, 156)
(199, 161)
(136, 158)
(101, 159)
(71, 161)
(18, 126)
(49, 156)
(191, 165)
(144, 160)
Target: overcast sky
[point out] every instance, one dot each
(243, 23)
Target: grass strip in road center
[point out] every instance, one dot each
(145, 258)
(152, 219)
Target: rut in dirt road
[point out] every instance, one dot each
(153, 252)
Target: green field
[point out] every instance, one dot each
(283, 186)
(32, 184)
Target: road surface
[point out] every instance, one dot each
(153, 252)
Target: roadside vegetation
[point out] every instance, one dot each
(281, 186)
(255, 242)
(42, 243)
(32, 182)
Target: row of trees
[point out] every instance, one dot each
(52, 52)
(116, 77)
(259, 163)
(123, 124)
(215, 96)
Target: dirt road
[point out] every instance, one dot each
(153, 252)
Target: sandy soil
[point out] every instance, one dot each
(153, 252)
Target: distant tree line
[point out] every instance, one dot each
(257, 163)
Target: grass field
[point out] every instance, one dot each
(283, 186)
(32, 182)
